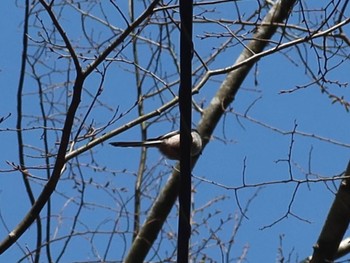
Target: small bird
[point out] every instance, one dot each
(168, 144)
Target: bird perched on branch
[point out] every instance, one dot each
(168, 144)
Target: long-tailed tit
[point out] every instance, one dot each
(168, 144)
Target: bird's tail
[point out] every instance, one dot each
(154, 143)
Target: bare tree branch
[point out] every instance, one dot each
(161, 208)
(336, 224)
(61, 155)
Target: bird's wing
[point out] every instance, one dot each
(168, 135)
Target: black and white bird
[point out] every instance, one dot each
(168, 144)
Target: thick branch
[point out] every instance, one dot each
(336, 224)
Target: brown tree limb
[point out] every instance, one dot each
(336, 224)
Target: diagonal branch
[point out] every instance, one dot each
(336, 224)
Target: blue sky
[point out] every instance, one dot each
(220, 164)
